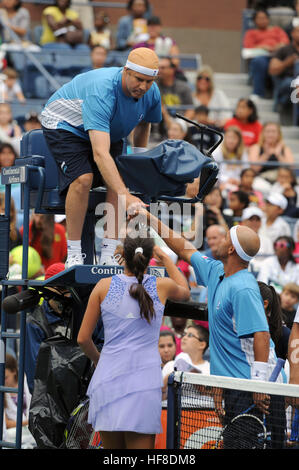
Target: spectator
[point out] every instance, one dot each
(61, 24)
(270, 148)
(295, 20)
(195, 342)
(238, 201)
(132, 28)
(232, 148)
(246, 119)
(201, 116)
(252, 217)
(101, 34)
(48, 238)
(11, 398)
(11, 87)
(176, 128)
(167, 346)
(281, 268)
(247, 177)
(32, 121)
(7, 125)
(15, 237)
(17, 18)
(214, 207)
(174, 92)
(98, 57)
(273, 225)
(289, 299)
(208, 95)
(7, 155)
(178, 325)
(286, 184)
(162, 45)
(281, 69)
(215, 235)
(279, 332)
(261, 42)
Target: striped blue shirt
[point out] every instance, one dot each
(95, 101)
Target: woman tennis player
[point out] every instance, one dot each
(125, 391)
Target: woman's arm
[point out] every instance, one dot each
(90, 320)
(175, 288)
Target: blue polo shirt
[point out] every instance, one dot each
(236, 312)
(95, 101)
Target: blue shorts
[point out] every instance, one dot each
(74, 157)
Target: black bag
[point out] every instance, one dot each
(61, 379)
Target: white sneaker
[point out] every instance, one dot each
(75, 260)
(109, 260)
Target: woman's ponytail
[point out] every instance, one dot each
(137, 253)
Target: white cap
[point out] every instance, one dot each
(251, 211)
(278, 199)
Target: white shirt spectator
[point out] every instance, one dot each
(183, 362)
(279, 228)
(296, 319)
(271, 272)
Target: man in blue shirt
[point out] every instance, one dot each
(84, 124)
(240, 343)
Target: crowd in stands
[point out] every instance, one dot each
(258, 184)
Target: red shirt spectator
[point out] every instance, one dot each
(267, 39)
(250, 130)
(51, 247)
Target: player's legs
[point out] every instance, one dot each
(136, 440)
(76, 205)
(115, 217)
(113, 440)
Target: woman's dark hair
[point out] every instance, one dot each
(245, 171)
(11, 364)
(137, 262)
(291, 245)
(273, 311)
(253, 117)
(292, 175)
(260, 10)
(130, 4)
(47, 235)
(164, 333)
(7, 145)
(68, 5)
(243, 197)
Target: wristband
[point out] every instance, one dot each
(259, 370)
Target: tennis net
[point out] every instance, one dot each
(213, 412)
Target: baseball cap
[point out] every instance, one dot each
(251, 211)
(277, 199)
(54, 269)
